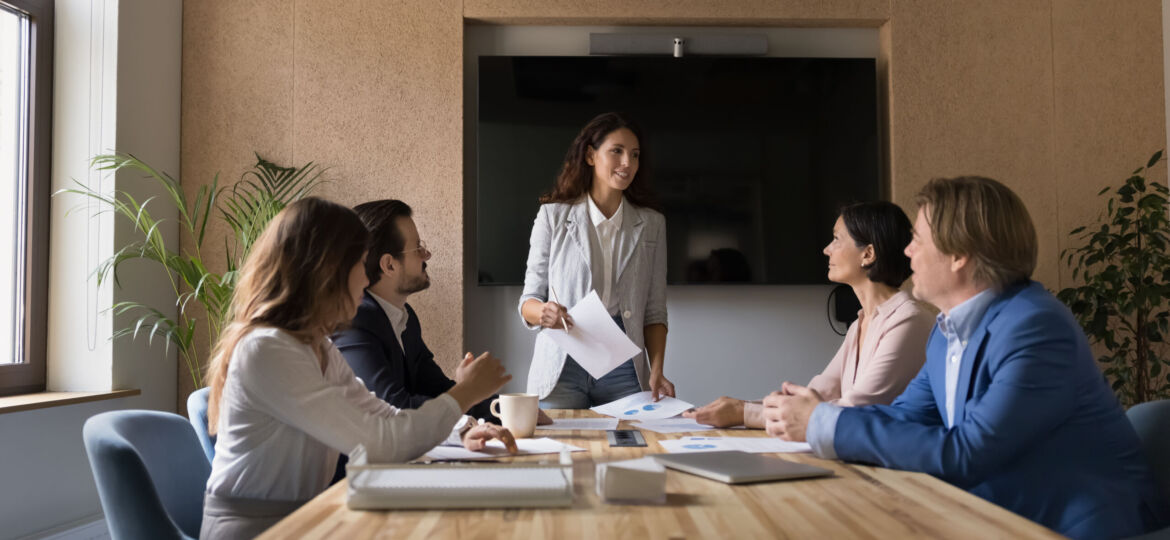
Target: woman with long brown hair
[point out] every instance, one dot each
(283, 400)
(598, 229)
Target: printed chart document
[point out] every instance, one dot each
(673, 425)
(584, 424)
(641, 406)
(496, 449)
(755, 445)
(595, 341)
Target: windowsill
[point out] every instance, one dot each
(44, 400)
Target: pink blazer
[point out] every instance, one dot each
(878, 370)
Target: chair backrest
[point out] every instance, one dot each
(1151, 420)
(150, 473)
(197, 412)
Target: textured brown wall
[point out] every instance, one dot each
(1109, 103)
(1054, 97)
(237, 97)
(971, 93)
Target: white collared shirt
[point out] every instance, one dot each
(397, 316)
(283, 421)
(607, 230)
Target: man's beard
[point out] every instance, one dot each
(415, 284)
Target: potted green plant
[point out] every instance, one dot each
(247, 206)
(1124, 270)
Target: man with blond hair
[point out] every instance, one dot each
(1010, 404)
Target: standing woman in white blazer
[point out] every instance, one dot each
(598, 230)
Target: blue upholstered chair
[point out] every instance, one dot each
(150, 473)
(197, 412)
(1151, 420)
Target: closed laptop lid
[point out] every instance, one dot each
(736, 467)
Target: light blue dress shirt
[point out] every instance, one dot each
(956, 327)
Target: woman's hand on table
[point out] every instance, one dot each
(722, 413)
(477, 437)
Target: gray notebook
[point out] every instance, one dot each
(735, 467)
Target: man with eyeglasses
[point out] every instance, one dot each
(384, 344)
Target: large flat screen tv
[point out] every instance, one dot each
(751, 157)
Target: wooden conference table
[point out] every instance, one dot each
(858, 502)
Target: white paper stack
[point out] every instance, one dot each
(673, 425)
(752, 445)
(632, 481)
(495, 449)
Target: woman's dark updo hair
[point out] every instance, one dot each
(884, 226)
(576, 174)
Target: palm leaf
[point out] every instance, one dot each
(246, 207)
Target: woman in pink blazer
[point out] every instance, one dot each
(886, 346)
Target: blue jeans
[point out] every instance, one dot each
(576, 389)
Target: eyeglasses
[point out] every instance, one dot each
(422, 249)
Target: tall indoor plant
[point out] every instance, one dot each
(1123, 303)
(247, 206)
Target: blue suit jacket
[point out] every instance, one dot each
(403, 378)
(1037, 430)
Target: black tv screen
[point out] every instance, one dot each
(752, 157)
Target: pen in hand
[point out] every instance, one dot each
(553, 294)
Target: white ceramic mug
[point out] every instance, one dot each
(517, 412)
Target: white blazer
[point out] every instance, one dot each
(559, 253)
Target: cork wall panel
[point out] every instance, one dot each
(237, 97)
(971, 93)
(1109, 100)
(378, 99)
(1054, 99)
(684, 12)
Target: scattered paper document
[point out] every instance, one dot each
(496, 449)
(756, 445)
(673, 425)
(640, 406)
(584, 424)
(595, 341)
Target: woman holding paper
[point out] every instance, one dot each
(283, 401)
(597, 230)
(886, 346)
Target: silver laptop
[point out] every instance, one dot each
(735, 467)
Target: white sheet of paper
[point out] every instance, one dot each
(641, 407)
(595, 341)
(496, 449)
(756, 445)
(673, 425)
(588, 424)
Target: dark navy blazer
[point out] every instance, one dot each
(1037, 429)
(404, 379)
